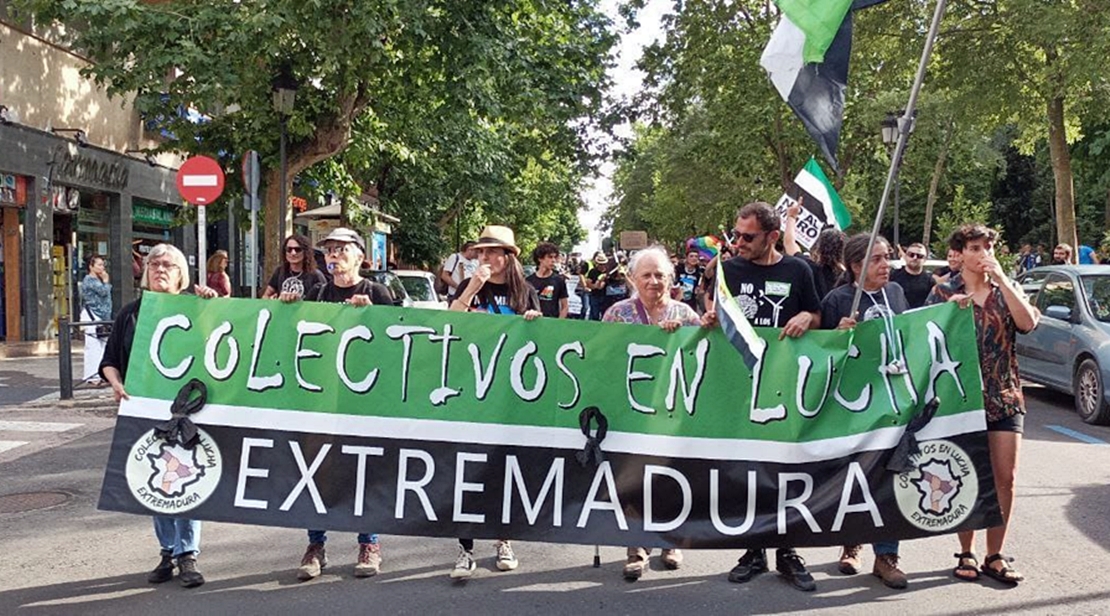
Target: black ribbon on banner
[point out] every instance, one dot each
(592, 450)
(907, 447)
(180, 429)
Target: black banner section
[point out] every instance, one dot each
(423, 488)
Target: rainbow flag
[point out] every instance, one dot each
(707, 245)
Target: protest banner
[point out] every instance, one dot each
(431, 423)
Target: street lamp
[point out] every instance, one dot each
(891, 130)
(285, 95)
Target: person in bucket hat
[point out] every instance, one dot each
(498, 286)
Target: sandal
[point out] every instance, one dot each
(1005, 574)
(967, 567)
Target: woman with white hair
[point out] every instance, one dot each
(164, 271)
(651, 275)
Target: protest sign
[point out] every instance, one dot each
(413, 422)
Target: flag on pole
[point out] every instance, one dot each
(807, 61)
(821, 205)
(735, 325)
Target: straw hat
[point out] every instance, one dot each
(496, 236)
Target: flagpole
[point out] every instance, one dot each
(903, 137)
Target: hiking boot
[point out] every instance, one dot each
(187, 572)
(636, 563)
(850, 563)
(464, 564)
(886, 569)
(672, 558)
(506, 560)
(164, 571)
(369, 560)
(793, 570)
(751, 564)
(314, 560)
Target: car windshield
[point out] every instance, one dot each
(419, 288)
(1096, 289)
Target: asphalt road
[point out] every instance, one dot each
(72, 558)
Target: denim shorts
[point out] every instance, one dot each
(1013, 423)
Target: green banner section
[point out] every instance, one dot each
(426, 364)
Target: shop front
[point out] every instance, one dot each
(69, 202)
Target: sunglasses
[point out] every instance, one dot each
(293, 249)
(747, 237)
(914, 255)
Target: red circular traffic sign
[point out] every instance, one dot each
(200, 180)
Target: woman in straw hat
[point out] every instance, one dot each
(498, 286)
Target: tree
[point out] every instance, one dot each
(383, 74)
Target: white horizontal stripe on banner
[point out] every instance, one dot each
(555, 438)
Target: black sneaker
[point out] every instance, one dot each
(751, 564)
(187, 571)
(164, 571)
(793, 568)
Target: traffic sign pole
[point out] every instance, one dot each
(202, 245)
(252, 173)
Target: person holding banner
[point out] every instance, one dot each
(297, 270)
(1001, 311)
(881, 299)
(164, 271)
(345, 253)
(773, 290)
(498, 286)
(651, 274)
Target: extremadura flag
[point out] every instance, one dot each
(387, 420)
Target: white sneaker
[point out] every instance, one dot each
(506, 560)
(464, 564)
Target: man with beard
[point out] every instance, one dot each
(913, 278)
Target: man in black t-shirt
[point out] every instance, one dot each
(551, 287)
(914, 280)
(773, 290)
(595, 283)
(688, 278)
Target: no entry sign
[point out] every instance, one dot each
(200, 180)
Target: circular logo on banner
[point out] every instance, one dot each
(939, 493)
(170, 479)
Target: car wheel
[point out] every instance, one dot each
(1089, 403)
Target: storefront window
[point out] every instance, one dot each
(151, 224)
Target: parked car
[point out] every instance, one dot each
(1070, 349)
(421, 288)
(393, 283)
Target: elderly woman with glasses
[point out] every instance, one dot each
(651, 275)
(164, 271)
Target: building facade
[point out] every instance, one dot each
(74, 181)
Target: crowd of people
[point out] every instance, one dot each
(773, 281)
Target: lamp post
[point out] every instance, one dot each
(285, 95)
(889, 131)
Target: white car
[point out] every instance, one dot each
(421, 289)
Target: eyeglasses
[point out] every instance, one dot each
(914, 255)
(162, 265)
(293, 249)
(337, 250)
(747, 237)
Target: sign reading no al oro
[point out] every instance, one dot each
(434, 423)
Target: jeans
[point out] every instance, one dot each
(885, 547)
(321, 536)
(595, 307)
(177, 535)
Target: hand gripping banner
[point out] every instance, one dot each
(413, 422)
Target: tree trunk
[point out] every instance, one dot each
(1106, 214)
(938, 172)
(1061, 171)
(331, 136)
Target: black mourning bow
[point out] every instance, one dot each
(592, 450)
(907, 446)
(180, 429)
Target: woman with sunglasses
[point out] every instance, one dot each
(298, 264)
(881, 299)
